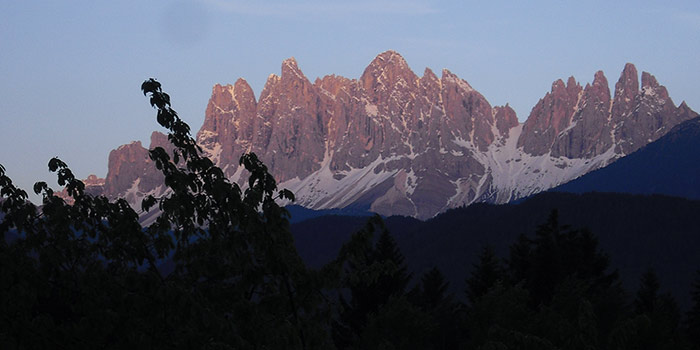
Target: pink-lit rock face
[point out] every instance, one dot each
(551, 115)
(397, 143)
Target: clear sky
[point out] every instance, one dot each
(70, 71)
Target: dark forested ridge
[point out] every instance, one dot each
(637, 231)
(299, 213)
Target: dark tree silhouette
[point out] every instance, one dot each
(432, 290)
(647, 298)
(693, 316)
(485, 273)
(432, 296)
(87, 275)
(555, 254)
(373, 275)
(659, 316)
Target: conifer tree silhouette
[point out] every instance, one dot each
(485, 273)
(693, 315)
(374, 274)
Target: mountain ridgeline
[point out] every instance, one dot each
(669, 166)
(398, 144)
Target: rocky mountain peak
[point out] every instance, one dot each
(293, 83)
(599, 90)
(93, 180)
(158, 139)
(431, 88)
(449, 78)
(270, 84)
(643, 116)
(586, 134)
(222, 95)
(506, 119)
(333, 84)
(389, 59)
(552, 114)
(290, 62)
(600, 80)
(685, 112)
(649, 81)
(573, 88)
(241, 87)
(628, 84)
(626, 91)
(290, 70)
(684, 107)
(558, 85)
(385, 72)
(652, 88)
(429, 77)
(126, 164)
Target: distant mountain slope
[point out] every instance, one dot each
(636, 231)
(670, 165)
(299, 213)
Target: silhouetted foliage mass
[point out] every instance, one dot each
(86, 275)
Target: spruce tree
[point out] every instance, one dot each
(647, 296)
(431, 291)
(432, 297)
(693, 315)
(372, 275)
(661, 313)
(485, 273)
(519, 259)
(396, 276)
(557, 253)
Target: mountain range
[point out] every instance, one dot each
(395, 143)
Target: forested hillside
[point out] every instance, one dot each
(637, 232)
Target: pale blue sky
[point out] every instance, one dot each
(70, 71)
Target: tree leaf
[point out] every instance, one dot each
(39, 187)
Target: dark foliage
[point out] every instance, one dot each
(693, 317)
(486, 273)
(648, 293)
(85, 275)
(432, 290)
(555, 254)
(635, 231)
(432, 296)
(658, 314)
(374, 274)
